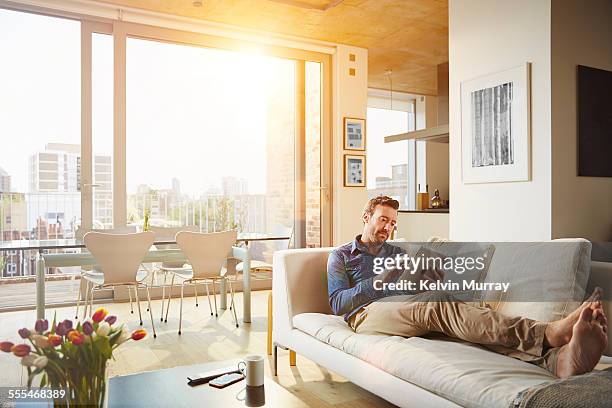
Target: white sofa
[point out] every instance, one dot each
(428, 372)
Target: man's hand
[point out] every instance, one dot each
(389, 275)
(432, 275)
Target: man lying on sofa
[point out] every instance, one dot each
(565, 347)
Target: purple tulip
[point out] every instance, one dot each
(67, 324)
(24, 333)
(41, 326)
(111, 319)
(88, 328)
(61, 330)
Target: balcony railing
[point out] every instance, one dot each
(58, 216)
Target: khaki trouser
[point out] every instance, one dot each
(439, 312)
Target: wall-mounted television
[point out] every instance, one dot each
(594, 122)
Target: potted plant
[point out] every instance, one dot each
(72, 359)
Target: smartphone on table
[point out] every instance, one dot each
(226, 380)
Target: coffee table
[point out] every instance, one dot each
(168, 388)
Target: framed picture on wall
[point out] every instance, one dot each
(495, 127)
(354, 134)
(354, 170)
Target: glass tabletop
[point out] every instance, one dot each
(23, 244)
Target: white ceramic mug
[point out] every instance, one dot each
(252, 367)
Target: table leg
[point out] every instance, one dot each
(270, 323)
(223, 293)
(40, 287)
(246, 291)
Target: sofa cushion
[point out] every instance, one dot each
(547, 279)
(450, 368)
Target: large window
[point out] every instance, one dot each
(390, 166)
(40, 148)
(210, 137)
(102, 122)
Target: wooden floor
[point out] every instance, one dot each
(205, 338)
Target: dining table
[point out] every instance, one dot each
(47, 257)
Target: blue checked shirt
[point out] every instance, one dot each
(350, 276)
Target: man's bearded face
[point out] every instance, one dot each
(378, 226)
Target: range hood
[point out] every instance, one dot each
(432, 134)
(437, 133)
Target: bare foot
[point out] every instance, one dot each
(600, 317)
(559, 333)
(585, 348)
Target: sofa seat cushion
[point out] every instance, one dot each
(464, 373)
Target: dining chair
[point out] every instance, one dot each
(79, 234)
(119, 257)
(206, 252)
(169, 234)
(261, 269)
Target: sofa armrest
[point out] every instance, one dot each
(601, 275)
(299, 285)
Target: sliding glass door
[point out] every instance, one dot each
(222, 138)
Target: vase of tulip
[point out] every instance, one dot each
(72, 360)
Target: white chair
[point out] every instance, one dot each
(79, 234)
(119, 257)
(206, 254)
(169, 234)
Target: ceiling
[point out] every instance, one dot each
(409, 37)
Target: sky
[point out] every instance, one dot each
(192, 113)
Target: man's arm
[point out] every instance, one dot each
(342, 297)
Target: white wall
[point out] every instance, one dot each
(419, 227)
(437, 168)
(581, 206)
(487, 36)
(350, 100)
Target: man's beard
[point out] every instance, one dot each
(379, 237)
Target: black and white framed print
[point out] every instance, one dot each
(354, 171)
(354, 134)
(495, 127)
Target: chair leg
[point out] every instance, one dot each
(151, 312)
(152, 274)
(232, 303)
(181, 312)
(130, 295)
(215, 298)
(208, 296)
(138, 303)
(195, 289)
(85, 300)
(169, 298)
(163, 296)
(292, 358)
(270, 323)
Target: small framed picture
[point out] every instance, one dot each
(354, 170)
(354, 134)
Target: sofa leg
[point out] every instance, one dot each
(269, 340)
(292, 358)
(275, 361)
